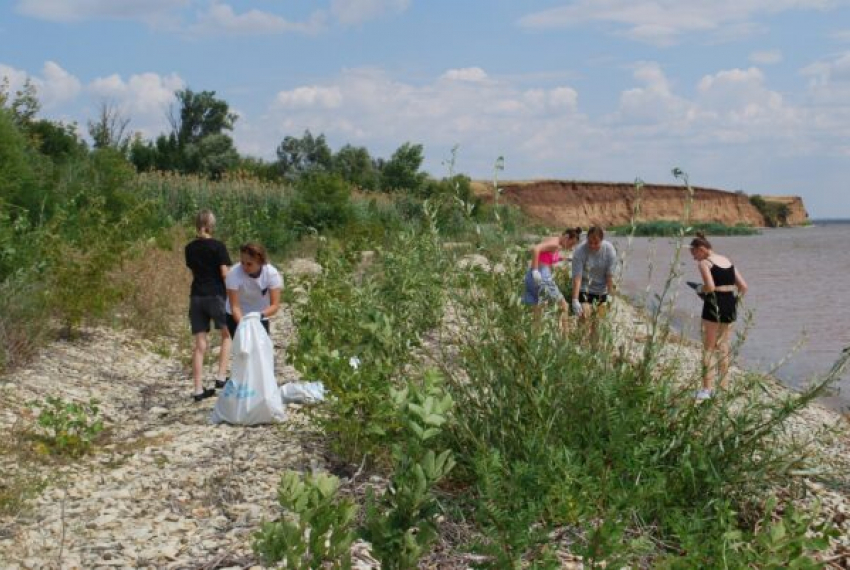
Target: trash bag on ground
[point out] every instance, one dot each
(251, 396)
(302, 392)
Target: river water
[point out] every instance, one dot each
(797, 281)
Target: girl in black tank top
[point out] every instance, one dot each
(720, 290)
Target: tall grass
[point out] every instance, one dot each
(599, 439)
(674, 228)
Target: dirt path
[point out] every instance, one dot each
(168, 490)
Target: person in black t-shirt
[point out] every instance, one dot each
(209, 261)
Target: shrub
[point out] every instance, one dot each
(68, 428)
(567, 432)
(775, 214)
(400, 524)
(322, 202)
(379, 320)
(316, 532)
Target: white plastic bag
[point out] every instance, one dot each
(302, 392)
(251, 396)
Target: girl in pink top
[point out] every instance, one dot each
(539, 283)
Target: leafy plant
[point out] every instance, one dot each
(400, 523)
(316, 533)
(68, 428)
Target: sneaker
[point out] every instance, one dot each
(207, 393)
(221, 383)
(704, 394)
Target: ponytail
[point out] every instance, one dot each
(700, 241)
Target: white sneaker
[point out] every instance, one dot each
(704, 394)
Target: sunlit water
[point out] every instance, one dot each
(797, 292)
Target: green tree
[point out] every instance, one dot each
(297, 157)
(355, 166)
(197, 143)
(55, 139)
(212, 155)
(401, 171)
(143, 154)
(110, 128)
(199, 115)
(21, 170)
(322, 201)
(25, 106)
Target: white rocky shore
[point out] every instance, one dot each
(169, 490)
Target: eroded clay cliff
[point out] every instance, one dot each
(570, 203)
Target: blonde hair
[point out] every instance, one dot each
(205, 220)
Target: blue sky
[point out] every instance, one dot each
(749, 95)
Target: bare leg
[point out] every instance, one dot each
(723, 349)
(198, 361)
(709, 353)
(224, 353)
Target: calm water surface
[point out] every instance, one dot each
(797, 292)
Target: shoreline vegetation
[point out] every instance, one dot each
(468, 434)
(664, 228)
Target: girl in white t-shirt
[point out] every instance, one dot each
(253, 286)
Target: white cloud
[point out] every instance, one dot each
(80, 10)
(740, 101)
(221, 19)
(213, 16)
(144, 98)
(766, 57)
(15, 77)
(471, 74)
(310, 97)
(664, 22)
(486, 116)
(354, 12)
(654, 102)
(54, 86)
(57, 85)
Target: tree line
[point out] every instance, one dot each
(199, 141)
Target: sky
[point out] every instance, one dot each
(749, 95)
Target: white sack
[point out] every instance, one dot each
(251, 396)
(302, 392)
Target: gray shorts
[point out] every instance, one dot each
(204, 309)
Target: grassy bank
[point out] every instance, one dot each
(671, 229)
(599, 441)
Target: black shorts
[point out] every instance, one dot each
(232, 324)
(590, 299)
(204, 309)
(720, 307)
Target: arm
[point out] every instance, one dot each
(235, 307)
(707, 279)
(224, 270)
(740, 283)
(610, 269)
(577, 268)
(576, 287)
(274, 307)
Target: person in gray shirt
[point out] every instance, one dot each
(593, 267)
